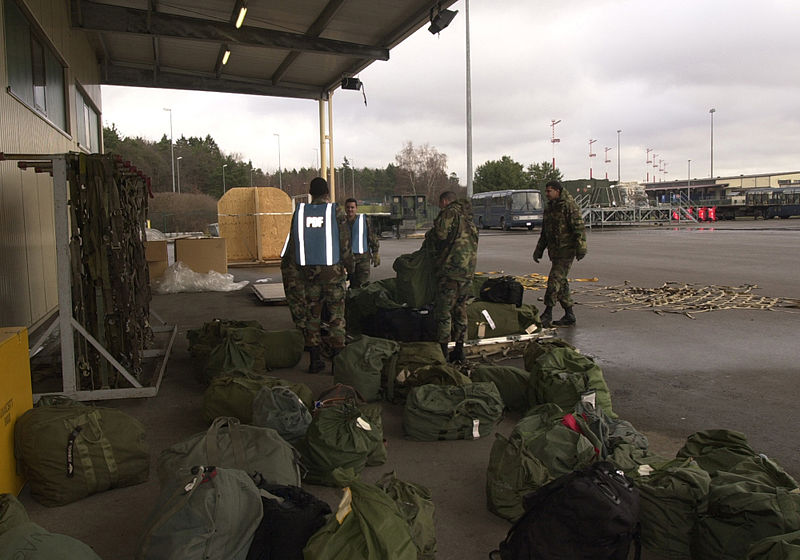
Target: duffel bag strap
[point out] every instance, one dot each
(213, 453)
(78, 440)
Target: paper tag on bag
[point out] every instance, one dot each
(489, 319)
(476, 433)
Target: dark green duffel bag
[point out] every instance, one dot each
(203, 340)
(512, 383)
(415, 504)
(29, 541)
(779, 547)
(230, 444)
(361, 363)
(440, 412)
(12, 512)
(69, 451)
(503, 316)
(343, 435)
(672, 497)
(232, 395)
(208, 513)
(282, 410)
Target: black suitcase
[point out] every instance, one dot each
(404, 324)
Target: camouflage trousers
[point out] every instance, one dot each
(558, 284)
(327, 296)
(451, 309)
(361, 274)
(295, 291)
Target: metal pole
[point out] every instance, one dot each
(280, 169)
(469, 109)
(618, 154)
(171, 150)
(179, 173)
(711, 112)
(223, 178)
(689, 181)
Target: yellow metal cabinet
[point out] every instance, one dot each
(16, 398)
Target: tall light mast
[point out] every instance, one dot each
(553, 139)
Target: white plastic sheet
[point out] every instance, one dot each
(180, 278)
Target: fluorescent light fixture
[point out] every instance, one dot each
(226, 56)
(242, 13)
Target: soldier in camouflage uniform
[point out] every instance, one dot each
(564, 237)
(369, 253)
(323, 286)
(454, 239)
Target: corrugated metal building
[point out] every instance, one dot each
(50, 103)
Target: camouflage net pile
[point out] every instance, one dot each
(684, 299)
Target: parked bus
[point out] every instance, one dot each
(507, 209)
(767, 203)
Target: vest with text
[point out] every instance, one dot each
(358, 235)
(316, 234)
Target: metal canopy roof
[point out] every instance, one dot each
(285, 48)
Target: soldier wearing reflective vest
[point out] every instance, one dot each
(364, 244)
(320, 238)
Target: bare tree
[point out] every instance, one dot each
(422, 168)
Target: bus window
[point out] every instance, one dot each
(526, 201)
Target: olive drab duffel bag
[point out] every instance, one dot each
(415, 503)
(205, 513)
(68, 451)
(779, 547)
(362, 362)
(512, 383)
(441, 412)
(282, 410)
(229, 443)
(367, 526)
(233, 394)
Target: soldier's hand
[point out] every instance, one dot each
(535, 258)
(579, 256)
(376, 259)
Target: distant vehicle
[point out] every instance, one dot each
(768, 203)
(507, 209)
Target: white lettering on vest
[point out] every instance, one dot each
(315, 221)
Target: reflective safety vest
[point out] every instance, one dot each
(358, 235)
(316, 234)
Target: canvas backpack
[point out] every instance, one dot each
(503, 289)
(589, 514)
(205, 513)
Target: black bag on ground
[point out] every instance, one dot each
(404, 324)
(589, 514)
(503, 289)
(291, 516)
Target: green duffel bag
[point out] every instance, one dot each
(362, 303)
(562, 375)
(12, 512)
(361, 363)
(367, 526)
(717, 450)
(741, 512)
(410, 357)
(284, 348)
(229, 357)
(416, 277)
(779, 547)
(672, 497)
(69, 451)
(203, 340)
(441, 412)
(512, 383)
(232, 395)
(282, 410)
(230, 444)
(437, 374)
(503, 316)
(29, 541)
(762, 468)
(539, 449)
(415, 504)
(539, 347)
(343, 435)
(208, 513)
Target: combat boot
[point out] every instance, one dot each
(567, 320)
(547, 317)
(315, 362)
(457, 355)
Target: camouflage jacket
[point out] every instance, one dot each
(563, 233)
(454, 240)
(373, 243)
(335, 272)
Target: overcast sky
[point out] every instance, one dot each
(650, 69)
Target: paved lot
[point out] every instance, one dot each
(669, 375)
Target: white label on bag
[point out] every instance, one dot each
(345, 506)
(363, 424)
(476, 433)
(489, 319)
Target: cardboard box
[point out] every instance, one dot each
(16, 398)
(156, 269)
(202, 254)
(155, 251)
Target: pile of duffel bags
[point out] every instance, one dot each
(718, 498)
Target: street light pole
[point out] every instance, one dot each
(171, 150)
(179, 173)
(469, 107)
(223, 178)
(618, 174)
(689, 181)
(280, 171)
(711, 112)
